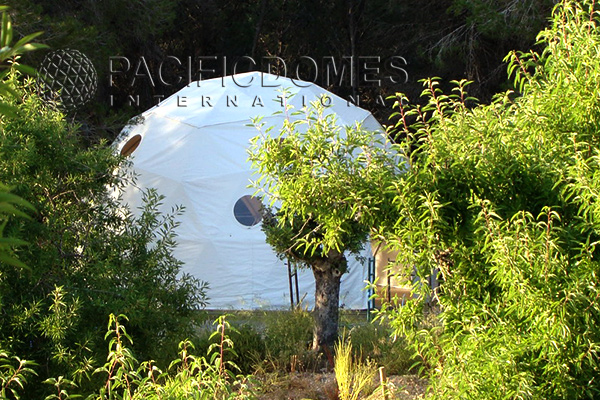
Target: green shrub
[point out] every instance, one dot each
(198, 377)
(81, 256)
(86, 256)
(502, 199)
(249, 346)
(288, 338)
(377, 343)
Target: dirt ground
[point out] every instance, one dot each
(304, 386)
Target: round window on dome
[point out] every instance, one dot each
(131, 145)
(247, 210)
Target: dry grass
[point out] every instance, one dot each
(322, 386)
(354, 376)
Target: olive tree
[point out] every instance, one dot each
(321, 182)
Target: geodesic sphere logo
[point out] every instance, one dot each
(67, 77)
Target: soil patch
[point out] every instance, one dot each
(313, 386)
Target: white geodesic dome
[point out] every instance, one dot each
(192, 148)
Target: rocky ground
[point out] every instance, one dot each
(303, 386)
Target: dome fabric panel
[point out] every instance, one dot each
(193, 150)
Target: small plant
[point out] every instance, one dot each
(60, 384)
(353, 375)
(120, 362)
(196, 377)
(378, 342)
(223, 346)
(288, 337)
(13, 378)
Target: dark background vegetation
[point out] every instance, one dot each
(452, 39)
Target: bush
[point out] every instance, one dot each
(502, 199)
(190, 376)
(377, 343)
(87, 257)
(288, 338)
(249, 346)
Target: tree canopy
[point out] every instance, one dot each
(321, 182)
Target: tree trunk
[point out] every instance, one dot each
(327, 274)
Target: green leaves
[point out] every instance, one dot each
(9, 51)
(9, 203)
(203, 377)
(14, 373)
(326, 181)
(501, 199)
(61, 384)
(327, 188)
(80, 239)
(6, 33)
(9, 54)
(10, 206)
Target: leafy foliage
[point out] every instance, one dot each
(10, 205)
(501, 199)
(106, 261)
(197, 377)
(10, 53)
(320, 180)
(13, 375)
(323, 180)
(86, 256)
